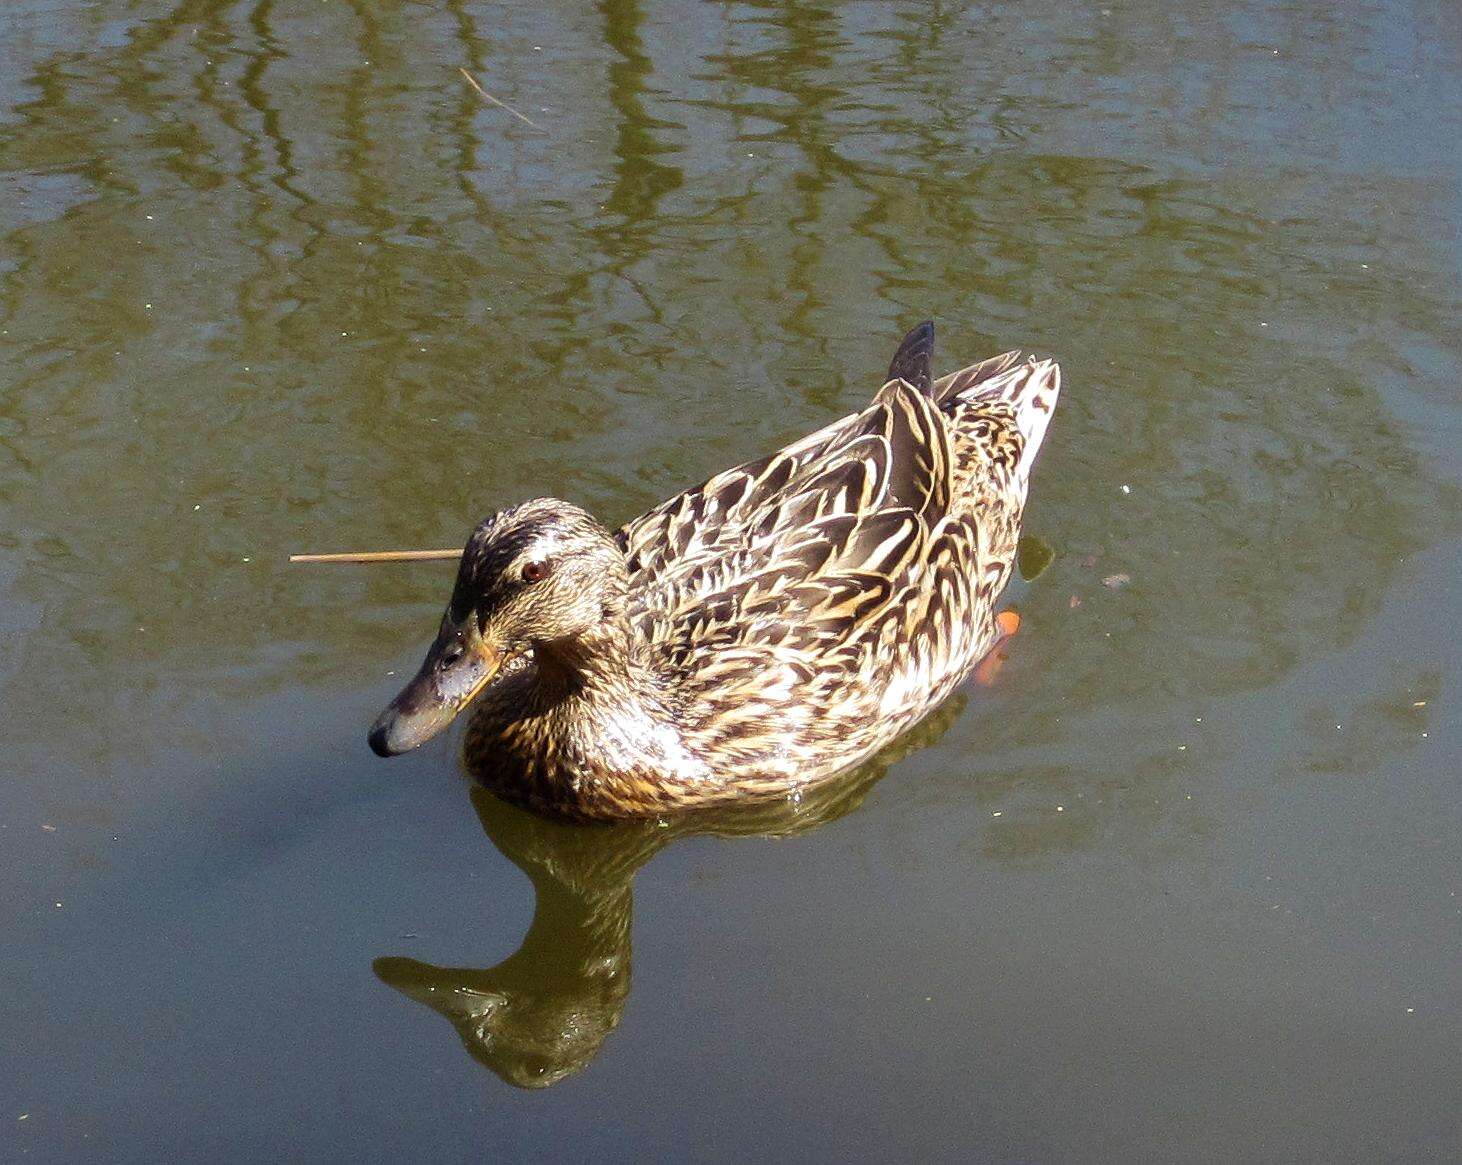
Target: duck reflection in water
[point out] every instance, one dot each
(543, 1013)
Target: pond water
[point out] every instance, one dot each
(1183, 884)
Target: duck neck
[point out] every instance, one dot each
(604, 713)
(607, 663)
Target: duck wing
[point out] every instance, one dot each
(812, 603)
(893, 453)
(799, 548)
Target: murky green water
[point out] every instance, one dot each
(1183, 884)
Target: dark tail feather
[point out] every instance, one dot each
(913, 361)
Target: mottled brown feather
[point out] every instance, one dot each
(792, 615)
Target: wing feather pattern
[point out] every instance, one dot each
(855, 570)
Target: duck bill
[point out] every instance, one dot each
(433, 698)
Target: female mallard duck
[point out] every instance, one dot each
(776, 625)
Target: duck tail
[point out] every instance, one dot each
(1030, 388)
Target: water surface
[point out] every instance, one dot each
(273, 278)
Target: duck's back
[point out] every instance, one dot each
(812, 604)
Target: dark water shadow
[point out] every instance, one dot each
(543, 1013)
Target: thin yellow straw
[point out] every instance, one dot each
(379, 556)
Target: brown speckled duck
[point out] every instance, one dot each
(769, 628)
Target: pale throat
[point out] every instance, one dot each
(602, 702)
(606, 663)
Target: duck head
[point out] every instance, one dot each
(543, 577)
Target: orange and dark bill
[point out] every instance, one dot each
(456, 668)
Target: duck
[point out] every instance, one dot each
(762, 632)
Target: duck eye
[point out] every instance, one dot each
(535, 571)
